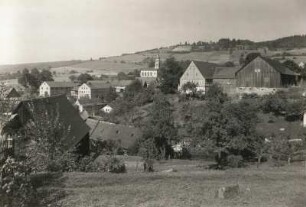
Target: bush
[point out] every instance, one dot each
(15, 184)
(115, 165)
(235, 161)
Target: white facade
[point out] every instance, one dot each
(44, 89)
(148, 73)
(304, 120)
(151, 73)
(193, 75)
(107, 109)
(302, 65)
(84, 91)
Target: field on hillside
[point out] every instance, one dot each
(191, 185)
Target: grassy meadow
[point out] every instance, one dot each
(193, 184)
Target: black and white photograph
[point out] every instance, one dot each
(152, 103)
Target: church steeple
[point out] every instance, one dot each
(157, 62)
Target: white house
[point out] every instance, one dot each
(93, 89)
(107, 109)
(200, 73)
(52, 88)
(302, 65)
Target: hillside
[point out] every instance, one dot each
(217, 52)
(40, 65)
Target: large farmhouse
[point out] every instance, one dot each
(51, 88)
(200, 73)
(265, 74)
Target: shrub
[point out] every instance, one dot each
(235, 161)
(15, 184)
(115, 165)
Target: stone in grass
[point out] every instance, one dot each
(169, 170)
(228, 192)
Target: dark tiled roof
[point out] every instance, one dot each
(54, 84)
(225, 72)
(126, 135)
(68, 115)
(10, 93)
(207, 69)
(91, 102)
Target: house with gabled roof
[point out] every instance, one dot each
(52, 88)
(10, 94)
(77, 137)
(200, 73)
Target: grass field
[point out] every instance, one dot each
(192, 185)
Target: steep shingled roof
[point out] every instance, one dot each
(207, 69)
(68, 115)
(126, 135)
(225, 72)
(275, 64)
(278, 66)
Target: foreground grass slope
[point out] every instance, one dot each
(191, 185)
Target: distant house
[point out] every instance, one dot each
(10, 94)
(149, 75)
(125, 135)
(200, 73)
(93, 89)
(302, 65)
(78, 133)
(52, 88)
(91, 106)
(107, 109)
(265, 73)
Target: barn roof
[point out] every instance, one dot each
(126, 135)
(56, 84)
(275, 64)
(68, 115)
(207, 69)
(279, 67)
(225, 72)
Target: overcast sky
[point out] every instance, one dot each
(49, 30)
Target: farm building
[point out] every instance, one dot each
(30, 111)
(265, 74)
(123, 134)
(225, 77)
(91, 106)
(51, 88)
(93, 89)
(200, 73)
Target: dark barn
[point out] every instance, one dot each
(265, 73)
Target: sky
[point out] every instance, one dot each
(51, 30)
